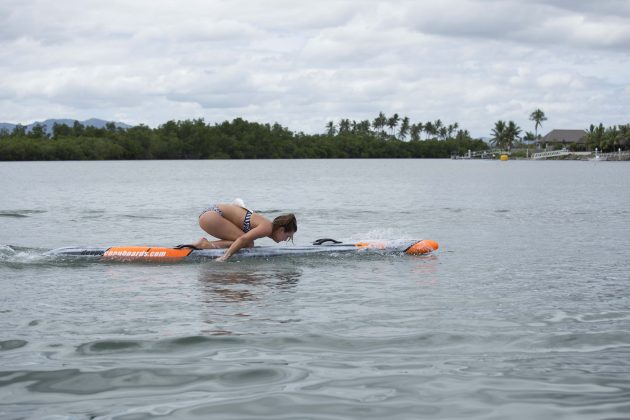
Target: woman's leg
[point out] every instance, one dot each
(203, 243)
(215, 225)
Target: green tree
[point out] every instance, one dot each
(420, 130)
(529, 137)
(331, 129)
(379, 122)
(505, 135)
(415, 131)
(538, 116)
(624, 135)
(611, 137)
(237, 139)
(363, 127)
(38, 131)
(452, 128)
(60, 130)
(19, 131)
(344, 126)
(498, 133)
(595, 136)
(78, 129)
(404, 128)
(463, 135)
(513, 133)
(392, 123)
(429, 128)
(437, 126)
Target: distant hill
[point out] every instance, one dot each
(48, 124)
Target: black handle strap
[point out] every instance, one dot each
(324, 240)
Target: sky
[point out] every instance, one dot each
(304, 63)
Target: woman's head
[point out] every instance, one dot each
(284, 227)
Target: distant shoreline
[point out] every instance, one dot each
(592, 156)
(563, 154)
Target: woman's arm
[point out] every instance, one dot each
(242, 241)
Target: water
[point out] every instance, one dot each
(523, 313)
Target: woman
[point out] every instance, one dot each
(237, 227)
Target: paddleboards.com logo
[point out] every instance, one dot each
(134, 254)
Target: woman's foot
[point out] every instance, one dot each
(203, 243)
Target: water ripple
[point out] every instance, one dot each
(12, 344)
(214, 378)
(20, 213)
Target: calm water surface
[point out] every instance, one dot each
(523, 313)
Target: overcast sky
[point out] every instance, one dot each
(304, 63)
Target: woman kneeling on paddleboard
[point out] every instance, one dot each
(237, 227)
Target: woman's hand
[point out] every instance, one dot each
(223, 258)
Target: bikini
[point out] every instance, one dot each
(213, 208)
(247, 221)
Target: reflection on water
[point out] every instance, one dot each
(425, 270)
(235, 290)
(239, 282)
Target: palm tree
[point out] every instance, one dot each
(595, 136)
(513, 133)
(463, 135)
(415, 131)
(344, 126)
(420, 130)
(612, 139)
(624, 135)
(379, 122)
(538, 116)
(331, 129)
(393, 122)
(451, 129)
(404, 128)
(429, 128)
(443, 133)
(528, 139)
(438, 125)
(498, 134)
(363, 127)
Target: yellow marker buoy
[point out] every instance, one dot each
(504, 157)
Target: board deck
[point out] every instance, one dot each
(150, 253)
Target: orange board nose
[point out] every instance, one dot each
(423, 247)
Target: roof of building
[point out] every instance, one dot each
(565, 136)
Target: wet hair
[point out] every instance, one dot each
(287, 221)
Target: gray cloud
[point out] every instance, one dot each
(471, 61)
(541, 23)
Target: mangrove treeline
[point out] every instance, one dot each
(237, 139)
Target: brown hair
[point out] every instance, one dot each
(287, 221)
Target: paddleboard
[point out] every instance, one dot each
(321, 246)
